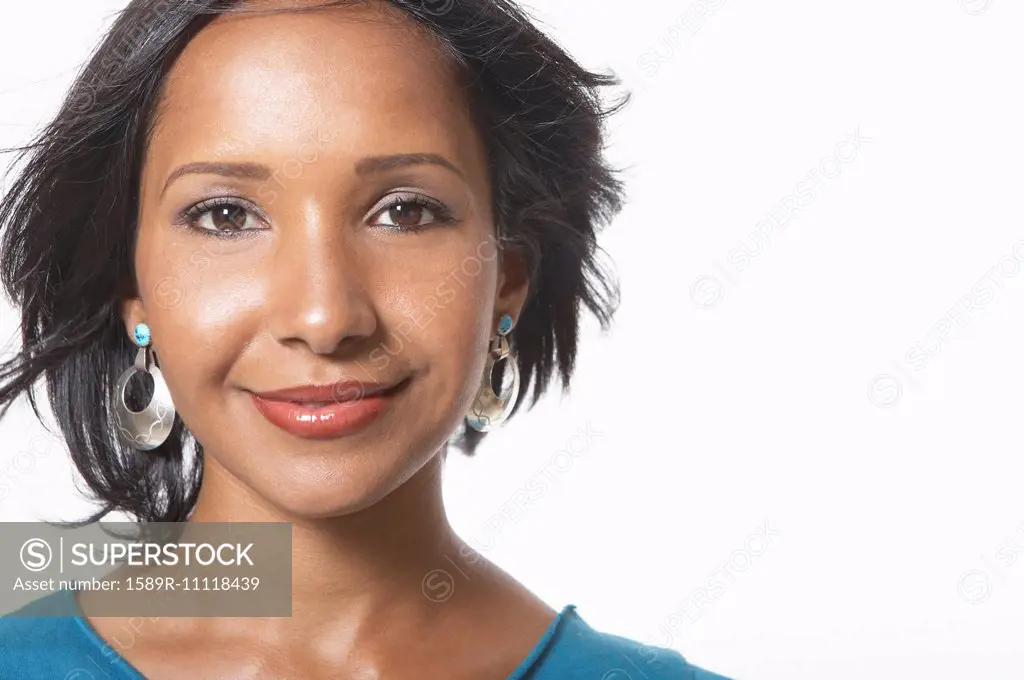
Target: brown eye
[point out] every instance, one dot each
(411, 212)
(406, 214)
(228, 217)
(224, 216)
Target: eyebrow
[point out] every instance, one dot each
(257, 171)
(239, 170)
(381, 163)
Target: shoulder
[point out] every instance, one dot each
(579, 651)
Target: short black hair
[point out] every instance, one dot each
(69, 221)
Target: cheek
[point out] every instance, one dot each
(201, 313)
(442, 308)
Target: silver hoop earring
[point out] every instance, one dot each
(149, 428)
(490, 410)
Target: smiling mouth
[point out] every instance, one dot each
(326, 411)
(330, 393)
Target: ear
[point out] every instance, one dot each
(513, 284)
(132, 313)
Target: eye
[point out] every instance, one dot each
(411, 212)
(223, 216)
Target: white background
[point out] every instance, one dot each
(781, 391)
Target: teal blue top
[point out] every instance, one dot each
(64, 646)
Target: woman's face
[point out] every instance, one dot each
(315, 210)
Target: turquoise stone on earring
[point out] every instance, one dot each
(504, 324)
(142, 335)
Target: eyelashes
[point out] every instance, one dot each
(412, 207)
(223, 217)
(236, 217)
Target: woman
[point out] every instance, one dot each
(324, 231)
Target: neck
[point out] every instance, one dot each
(360, 564)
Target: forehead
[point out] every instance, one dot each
(366, 79)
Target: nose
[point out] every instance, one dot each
(319, 289)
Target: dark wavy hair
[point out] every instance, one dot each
(69, 221)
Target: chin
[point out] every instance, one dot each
(317, 496)
(321, 487)
(324, 506)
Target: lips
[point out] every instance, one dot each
(325, 411)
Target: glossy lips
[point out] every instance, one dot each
(324, 411)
